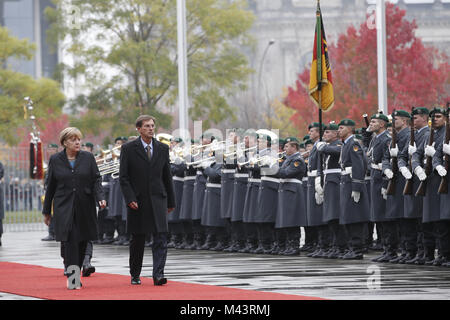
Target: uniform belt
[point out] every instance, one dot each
(199, 173)
(276, 180)
(291, 180)
(367, 178)
(104, 184)
(305, 179)
(241, 175)
(178, 178)
(312, 173)
(190, 178)
(376, 166)
(254, 180)
(228, 170)
(346, 171)
(328, 171)
(213, 185)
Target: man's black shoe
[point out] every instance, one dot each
(396, 259)
(106, 241)
(352, 255)
(159, 281)
(88, 270)
(48, 238)
(414, 259)
(135, 280)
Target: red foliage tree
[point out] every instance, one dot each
(416, 75)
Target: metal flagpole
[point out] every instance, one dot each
(182, 69)
(381, 56)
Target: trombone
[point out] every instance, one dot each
(253, 161)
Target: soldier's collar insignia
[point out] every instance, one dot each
(296, 163)
(355, 148)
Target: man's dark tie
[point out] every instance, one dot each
(149, 152)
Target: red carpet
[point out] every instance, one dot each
(49, 283)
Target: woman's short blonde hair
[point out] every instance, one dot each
(68, 133)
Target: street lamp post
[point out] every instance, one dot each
(269, 44)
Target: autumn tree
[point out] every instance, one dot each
(126, 51)
(15, 86)
(417, 75)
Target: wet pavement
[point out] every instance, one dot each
(300, 275)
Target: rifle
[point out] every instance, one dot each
(421, 191)
(391, 185)
(408, 190)
(443, 187)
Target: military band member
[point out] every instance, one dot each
(413, 205)
(379, 143)
(314, 202)
(175, 225)
(353, 193)
(431, 200)
(291, 204)
(331, 150)
(395, 202)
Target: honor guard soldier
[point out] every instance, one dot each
(442, 226)
(379, 143)
(291, 208)
(331, 150)
(238, 236)
(353, 193)
(431, 198)
(177, 169)
(395, 201)
(314, 202)
(413, 205)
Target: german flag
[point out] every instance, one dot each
(320, 80)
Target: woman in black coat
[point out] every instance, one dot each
(74, 183)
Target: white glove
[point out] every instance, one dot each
(430, 151)
(388, 173)
(446, 148)
(441, 170)
(320, 145)
(405, 172)
(252, 160)
(319, 198)
(420, 173)
(384, 193)
(412, 149)
(394, 151)
(356, 195)
(178, 160)
(317, 186)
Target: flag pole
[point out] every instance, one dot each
(319, 83)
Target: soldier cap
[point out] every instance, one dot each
(420, 110)
(401, 113)
(52, 145)
(89, 144)
(332, 126)
(347, 122)
(380, 116)
(292, 139)
(121, 138)
(438, 110)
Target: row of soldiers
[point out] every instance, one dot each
(335, 188)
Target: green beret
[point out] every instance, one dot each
(292, 139)
(389, 125)
(332, 126)
(52, 145)
(420, 110)
(358, 131)
(380, 116)
(301, 145)
(438, 110)
(281, 142)
(316, 125)
(89, 144)
(358, 136)
(401, 113)
(309, 141)
(347, 122)
(306, 137)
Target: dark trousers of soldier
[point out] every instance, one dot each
(442, 231)
(217, 237)
(428, 240)
(121, 227)
(390, 236)
(188, 233)
(337, 235)
(292, 236)
(237, 235)
(408, 233)
(176, 233)
(199, 233)
(369, 239)
(311, 236)
(356, 234)
(323, 239)
(265, 235)
(251, 236)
